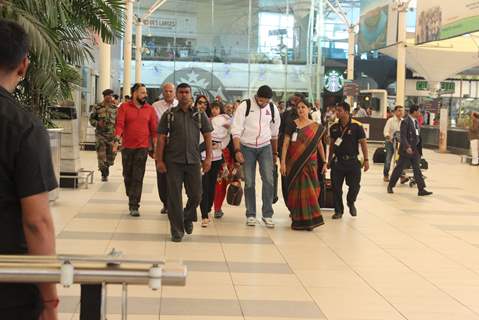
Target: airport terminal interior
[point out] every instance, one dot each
(403, 256)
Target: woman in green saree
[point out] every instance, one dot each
(302, 144)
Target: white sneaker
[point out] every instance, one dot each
(268, 222)
(251, 221)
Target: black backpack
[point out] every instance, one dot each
(248, 108)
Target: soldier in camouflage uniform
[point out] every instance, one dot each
(103, 119)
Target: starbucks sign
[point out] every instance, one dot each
(333, 81)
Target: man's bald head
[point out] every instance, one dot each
(169, 92)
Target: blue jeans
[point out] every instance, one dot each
(264, 156)
(389, 156)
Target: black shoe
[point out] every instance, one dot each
(176, 238)
(188, 227)
(390, 189)
(104, 174)
(424, 192)
(219, 214)
(352, 210)
(134, 213)
(337, 215)
(164, 210)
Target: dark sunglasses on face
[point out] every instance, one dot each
(201, 102)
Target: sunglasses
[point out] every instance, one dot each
(202, 102)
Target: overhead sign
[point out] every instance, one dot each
(447, 87)
(439, 19)
(376, 25)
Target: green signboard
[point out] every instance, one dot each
(421, 85)
(446, 87)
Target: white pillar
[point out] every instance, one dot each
(351, 55)
(127, 48)
(105, 66)
(138, 63)
(401, 56)
(443, 124)
(320, 35)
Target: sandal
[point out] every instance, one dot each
(205, 222)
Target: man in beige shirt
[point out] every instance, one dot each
(393, 125)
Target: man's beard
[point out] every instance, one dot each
(141, 101)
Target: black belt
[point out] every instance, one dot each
(346, 157)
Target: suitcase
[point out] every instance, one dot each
(326, 199)
(379, 155)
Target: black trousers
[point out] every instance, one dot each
(209, 183)
(134, 162)
(350, 171)
(402, 163)
(162, 187)
(190, 175)
(20, 301)
(21, 313)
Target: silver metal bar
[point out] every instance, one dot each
(4, 259)
(104, 297)
(124, 301)
(38, 274)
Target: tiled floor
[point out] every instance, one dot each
(403, 257)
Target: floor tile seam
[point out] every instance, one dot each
(415, 272)
(401, 231)
(161, 289)
(78, 212)
(114, 231)
(228, 267)
(299, 280)
(363, 278)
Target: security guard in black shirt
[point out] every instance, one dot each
(346, 135)
(26, 177)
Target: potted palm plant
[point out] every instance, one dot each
(61, 41)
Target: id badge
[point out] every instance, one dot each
(338, 142)
(294, 137)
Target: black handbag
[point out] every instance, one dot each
(234, 194)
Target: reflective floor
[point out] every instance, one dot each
(402, 257)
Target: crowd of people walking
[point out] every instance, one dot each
(197, 142)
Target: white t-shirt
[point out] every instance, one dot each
(162, 106)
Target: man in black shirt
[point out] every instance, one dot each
(179, 156)
(346, 136)
(26, 176)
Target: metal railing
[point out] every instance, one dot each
(93, 273)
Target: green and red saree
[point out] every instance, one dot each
(302, 178)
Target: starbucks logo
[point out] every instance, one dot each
(333, 81)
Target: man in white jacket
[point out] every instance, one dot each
(255, 137)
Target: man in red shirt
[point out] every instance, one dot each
(136, 123)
